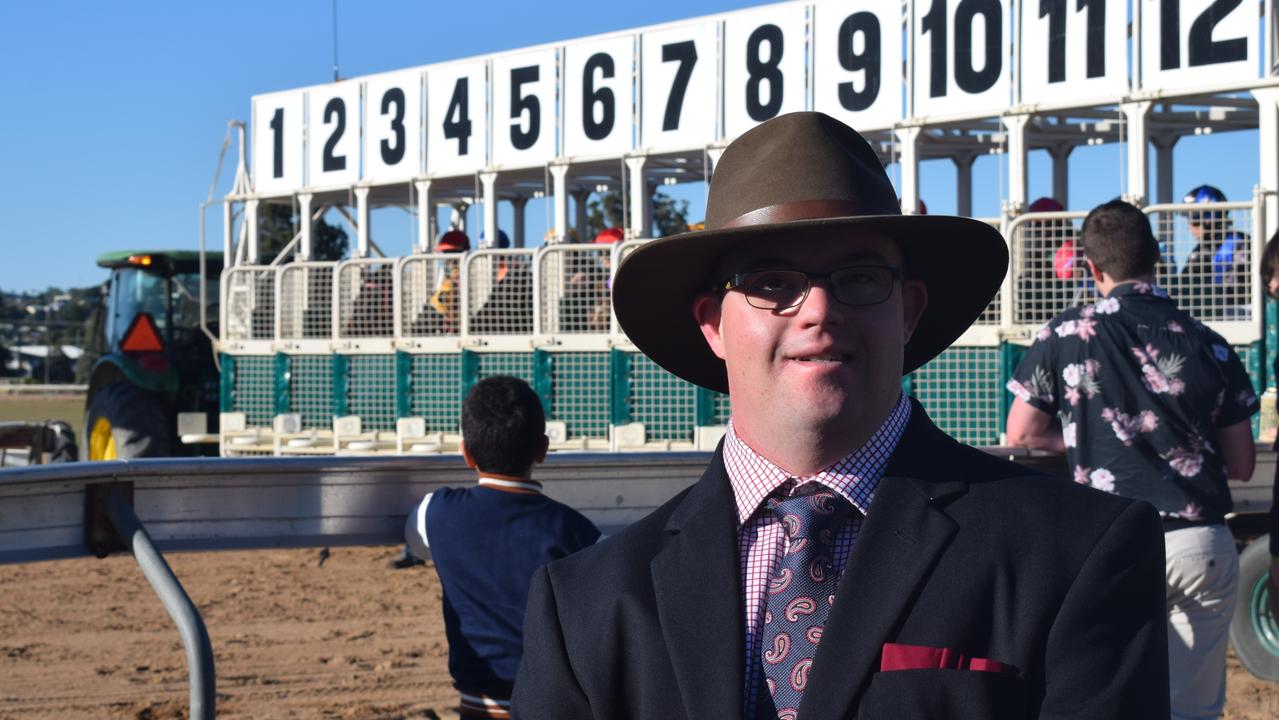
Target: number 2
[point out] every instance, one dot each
(331, 161)
(1203, 49)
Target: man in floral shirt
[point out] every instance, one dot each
(1148, 403)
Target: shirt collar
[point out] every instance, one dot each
(855, 476)
(510, 484)
(1137, 288)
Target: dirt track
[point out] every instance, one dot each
(293, 639)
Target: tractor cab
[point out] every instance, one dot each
(153, 360)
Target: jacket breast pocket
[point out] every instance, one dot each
(943, 694)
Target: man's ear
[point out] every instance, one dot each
(914, 300)
(1097, 275)
(540, 455)
(466, 456)
(707, 311)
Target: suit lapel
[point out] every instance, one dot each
(699, 598)
(900, 541)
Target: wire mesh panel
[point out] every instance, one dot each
(580, 393)
(371, 390)
(431, 295)
(499, 292)
(991, 315)
(519, 365)
(254, 391)
(961, 389)
(1049, 273)
(665, 404)
(366, 299)
(311, 390)
(575, 284)
(306, 301)
(435, 391)
(249, 302)
(1207, 258)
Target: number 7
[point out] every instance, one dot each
(686, 54)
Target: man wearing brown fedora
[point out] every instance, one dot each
(840, 557)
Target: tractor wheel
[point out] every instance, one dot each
(124, 421)
(1254, 631)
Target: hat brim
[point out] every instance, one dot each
(961, 261)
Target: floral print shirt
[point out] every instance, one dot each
(1141, 389)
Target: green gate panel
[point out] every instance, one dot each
(371, 385)
(311, 386)
(665, 404)
(436, 389)
(403, 384)
(282, 379)
(226, 389)
(619, 362)
(962, 391)
(341, 364)
(581, 395)
(253, 388)
(542, 385)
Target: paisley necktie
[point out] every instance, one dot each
(800, 593)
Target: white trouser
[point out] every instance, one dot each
(1203, 579)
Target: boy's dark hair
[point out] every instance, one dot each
(503, 425)
(1116, 236)
(1269, 261)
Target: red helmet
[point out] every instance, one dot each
(609, 236)
(1045, 204)
(453, 241)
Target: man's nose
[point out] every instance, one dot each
(820, 306)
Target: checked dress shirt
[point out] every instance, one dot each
(761, 537)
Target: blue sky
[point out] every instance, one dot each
(113, 113)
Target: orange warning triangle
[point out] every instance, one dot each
(142, 336)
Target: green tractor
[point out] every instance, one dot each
(151, 359)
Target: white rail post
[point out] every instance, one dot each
(425, 215)
(1268, 155)
(1061, 173)
(964, 183)
(488, 183)
(909, 139)
(559, 199)
(1135, 114)
(304, 218)
(362, 221)
(580, 196)
(228, 250)
(1163, 166)
(518, 203)
(639, 197)
(251, 224)
(1016, 126)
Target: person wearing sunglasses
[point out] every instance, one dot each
(841, 556)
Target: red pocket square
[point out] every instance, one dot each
(921, 657)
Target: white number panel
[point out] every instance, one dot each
(277, 143)
(599, 97)
(857, 64)
(333, 117)
(1193, 43)
(456, 119)
(677, 87)
(961, 52)
(763, 66)
(393, 127)
(524, 108)
(1073, 50)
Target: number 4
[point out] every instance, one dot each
(459, 129)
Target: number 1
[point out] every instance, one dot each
(277, 135)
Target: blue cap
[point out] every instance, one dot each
(502, 241)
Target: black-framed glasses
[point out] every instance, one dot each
(774, 289)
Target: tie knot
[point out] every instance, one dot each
(812, 512)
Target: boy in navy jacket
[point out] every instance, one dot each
(487, 540)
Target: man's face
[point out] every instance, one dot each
(820, 366)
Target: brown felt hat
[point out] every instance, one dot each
(808, 177)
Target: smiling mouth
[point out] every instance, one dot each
(833, 358)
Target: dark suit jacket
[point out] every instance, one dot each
(960, 550)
